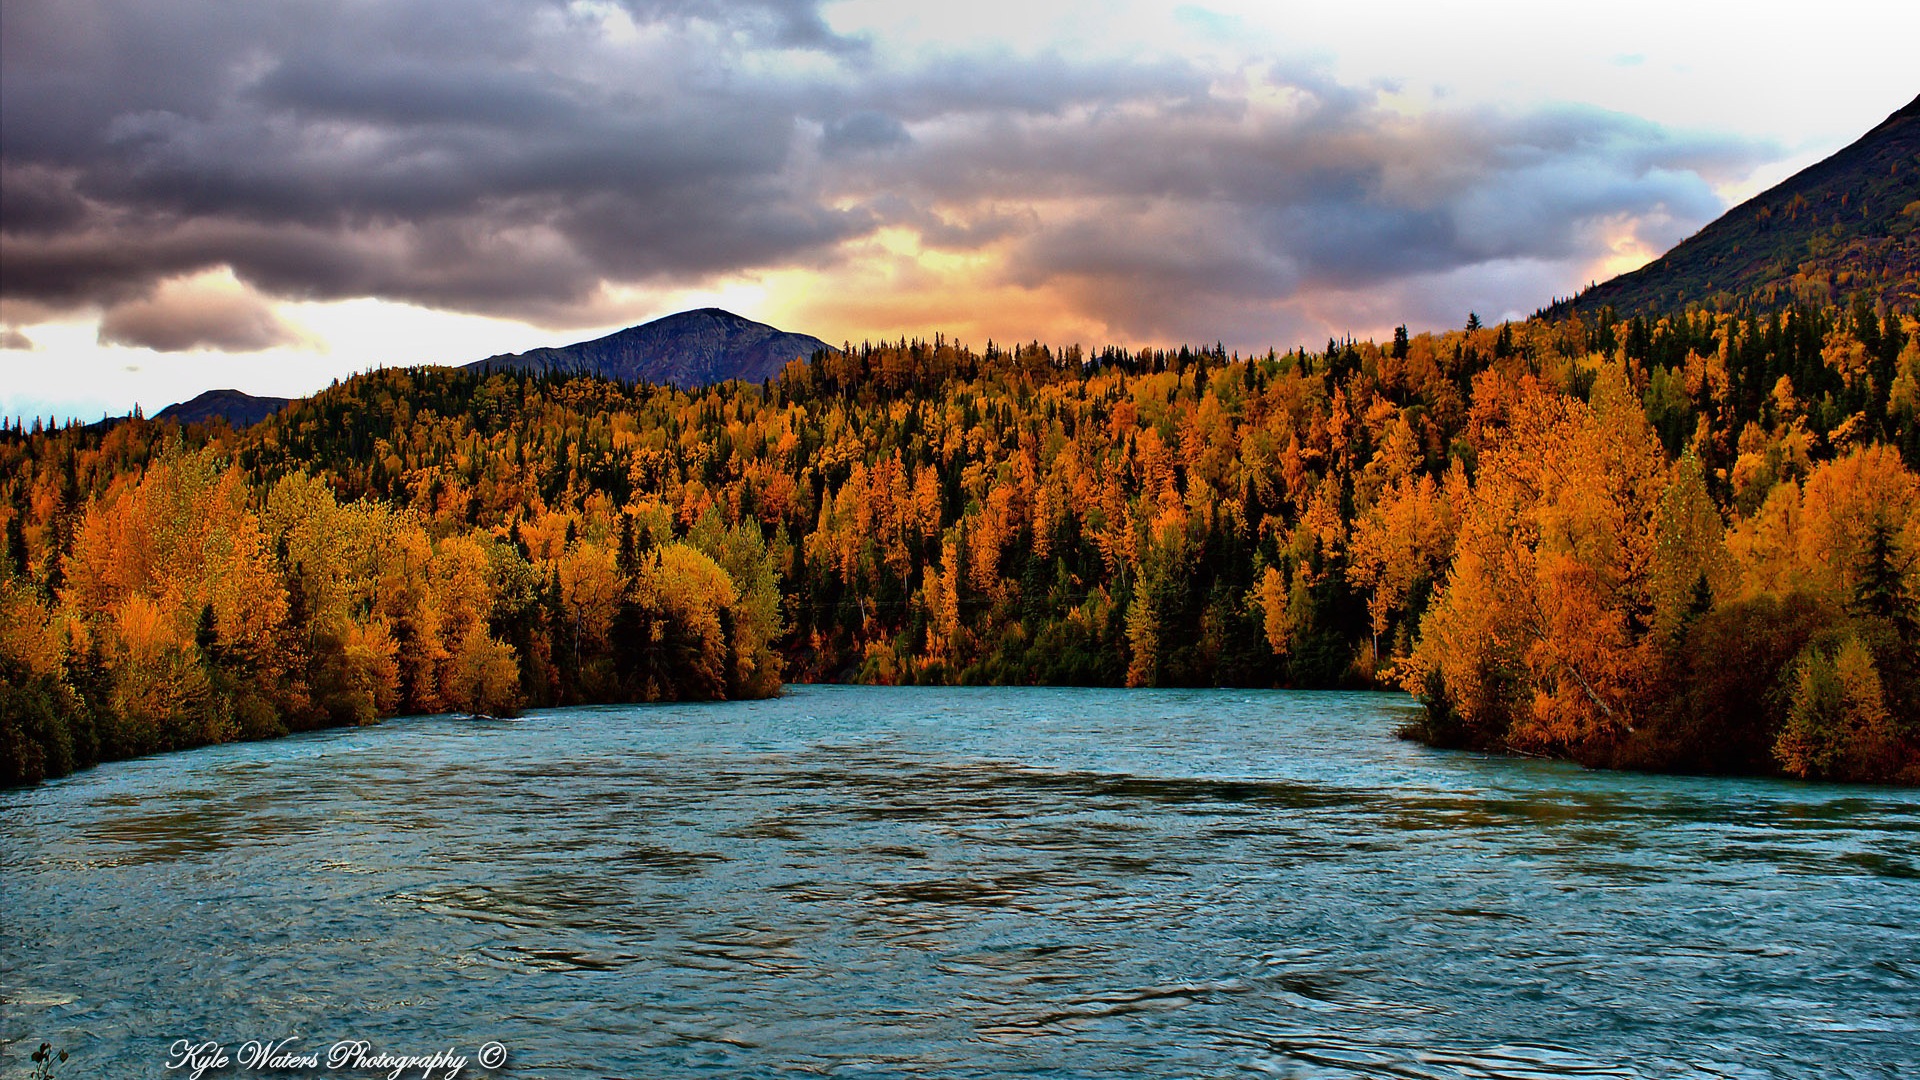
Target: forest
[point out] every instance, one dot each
(1688, 543)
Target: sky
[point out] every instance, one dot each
(202, 194)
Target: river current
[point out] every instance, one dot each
(860, 882)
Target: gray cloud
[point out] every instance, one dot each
(12, 338)
(504, 159)
(865, 130)
(1197, 227)
(514, 158)
(787, 24)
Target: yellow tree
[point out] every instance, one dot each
(172, 570)
(688, 594)
(1811, 537)
(483, 675)
(590, 592)
(1538, 638)
(1270, 600)
(1838, 726)
(1691, 565)
(1402, 544)
(338, 557)
(1143, 641)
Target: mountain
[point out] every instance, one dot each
(693, 348)
(240, 410)
(1848, 224)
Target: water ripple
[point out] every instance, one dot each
(963, 883)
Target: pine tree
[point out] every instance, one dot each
(1881, 590)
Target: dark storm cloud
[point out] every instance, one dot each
(502, 158)
(39, 201)
(515, 157)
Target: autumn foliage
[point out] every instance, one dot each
(1687, 543)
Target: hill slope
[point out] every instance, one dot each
(240, 409)
(692, 348)
(1847, 224)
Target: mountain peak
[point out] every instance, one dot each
(686, 349)
(238, 408)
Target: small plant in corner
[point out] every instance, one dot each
(43, 1060)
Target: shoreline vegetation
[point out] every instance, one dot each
(1688, 543)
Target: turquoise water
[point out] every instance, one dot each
(958, 883)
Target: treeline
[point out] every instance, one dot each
(1686, 543)
(166, 598)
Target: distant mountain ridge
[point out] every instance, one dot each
(689, 349)
(1847, 224)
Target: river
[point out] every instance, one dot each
(872, 882)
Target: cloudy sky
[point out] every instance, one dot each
(200, 194)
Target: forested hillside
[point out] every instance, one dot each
(1846, 225)
(1686, 543)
